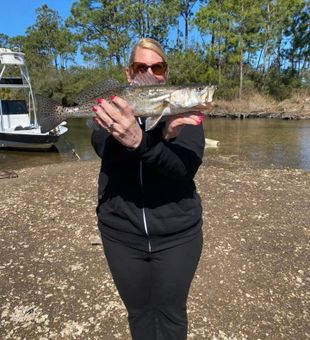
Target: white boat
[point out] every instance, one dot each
(19, 126)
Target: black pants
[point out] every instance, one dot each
(154, 287)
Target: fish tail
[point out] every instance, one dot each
(50, 113)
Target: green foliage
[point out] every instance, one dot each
(245, 45)
(281, 86)
(102, 29)
(65, 86)
(234, 26)
(48, 43)
(152, 18)
(299, 32)
(188, 67)
(227, 93)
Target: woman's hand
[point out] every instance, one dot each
(174, 124)
(119, 120)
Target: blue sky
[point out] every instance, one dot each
(17, 15)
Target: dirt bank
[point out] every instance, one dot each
(250, 284)
(259, 106)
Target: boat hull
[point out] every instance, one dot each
(32, 140)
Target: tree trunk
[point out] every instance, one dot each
(266, 50)
(118, 60)
(219, 62)
(186, 31)
(212, 48)
(278, 60)
(241, 73)
(178, 35)
(56, 63)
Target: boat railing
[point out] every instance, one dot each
(16, 59)
(1, 116)
(12, 82)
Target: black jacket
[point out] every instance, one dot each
(147, 197)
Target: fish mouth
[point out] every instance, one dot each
(207, 95)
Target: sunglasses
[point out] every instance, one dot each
(158, 69)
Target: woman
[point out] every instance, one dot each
(149, 213)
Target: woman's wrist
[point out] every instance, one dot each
(169, 133)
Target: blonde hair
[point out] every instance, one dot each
(149, 44)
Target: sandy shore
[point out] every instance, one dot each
(252, 278)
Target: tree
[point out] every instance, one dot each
(108, 28)
(298, 31)
(213, 21)
(264, 43)
(102, 27)
(186, 12)
(235, 31)
(153, 18)
(243, 34)
(48, 40)
(17, 43)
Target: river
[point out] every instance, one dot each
(265, 142)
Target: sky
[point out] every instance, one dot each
(17, 15)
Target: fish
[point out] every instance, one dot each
(151, 100)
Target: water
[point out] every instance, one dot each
(277, 143)
(77, 138)
(266, 143)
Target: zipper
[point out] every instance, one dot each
(143, 211)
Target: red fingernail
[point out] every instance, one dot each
(99, 101)
(112, 97)
(94, 108)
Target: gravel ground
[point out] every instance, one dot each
(251, 283)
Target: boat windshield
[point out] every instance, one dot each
(13, 107)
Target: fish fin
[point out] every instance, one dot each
(144, 79)
(151, 122)
(49, 113)
(104, 88)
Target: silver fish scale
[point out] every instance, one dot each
(155, 92)
(153, 101)
(104, 89)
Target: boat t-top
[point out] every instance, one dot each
(19, 127)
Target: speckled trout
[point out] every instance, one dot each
(151, 101)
